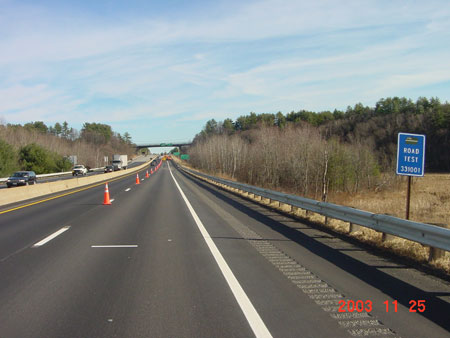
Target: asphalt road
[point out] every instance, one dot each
(41, 180)
(176, 257)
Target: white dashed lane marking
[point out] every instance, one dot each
(52, 236)
(115, 246)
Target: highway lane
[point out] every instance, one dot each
(342, 268)
(67, 288)
(132, 164)
(39, 219)
(168, 284)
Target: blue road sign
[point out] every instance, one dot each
(410, 154)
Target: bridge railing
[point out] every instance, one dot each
(169, 144)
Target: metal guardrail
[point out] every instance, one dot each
(426, 234)
(44, 175)
(63, 173)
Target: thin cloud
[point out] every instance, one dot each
(235, 58)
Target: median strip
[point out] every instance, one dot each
(35, 191)
(71, 192)
(52, 236)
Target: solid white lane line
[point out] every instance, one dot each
(115, 246)
(111, 200)
(49, 238)
(128, 189)
(250, 313)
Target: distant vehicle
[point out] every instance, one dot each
(109, 168)
(79, 169)
(120, 162)
(21, 178)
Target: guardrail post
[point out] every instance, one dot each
(294, 210)
(436, 253)
(385, 236)
(353, 227)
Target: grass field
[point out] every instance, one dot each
(430, 200)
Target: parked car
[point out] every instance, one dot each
(109, 168)
(79, 169)
(21, 178)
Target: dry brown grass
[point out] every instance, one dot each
(430, 200)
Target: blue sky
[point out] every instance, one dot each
(161, 69)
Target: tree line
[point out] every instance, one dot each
(376, 126)
(45, 149)
(295, 159)
(316, 153)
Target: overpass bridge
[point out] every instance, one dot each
(168, 144)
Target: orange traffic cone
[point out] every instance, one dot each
(106, 200)
(146, 174)
(137, 179)
(151, 171)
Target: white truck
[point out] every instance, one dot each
(120, 162)
(79, 169)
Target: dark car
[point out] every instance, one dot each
(21, 178)
(109, 168)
